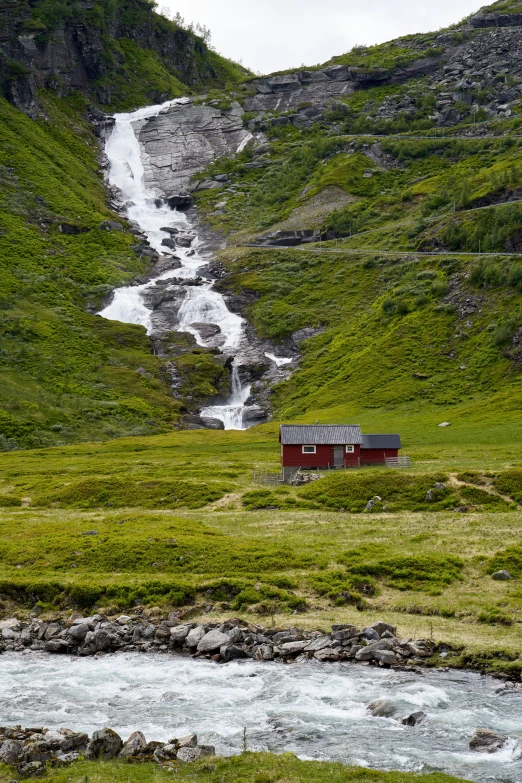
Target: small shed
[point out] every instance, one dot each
(376, 449)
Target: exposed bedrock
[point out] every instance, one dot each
(186, 138)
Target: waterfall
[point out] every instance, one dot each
(202, 304)
(231, 414)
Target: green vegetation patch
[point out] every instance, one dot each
(408, 572)
(510, 483)
(397, 492)
(509, 559)
(132, 493)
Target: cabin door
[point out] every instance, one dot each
(338, 456)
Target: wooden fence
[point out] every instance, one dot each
(397, 462)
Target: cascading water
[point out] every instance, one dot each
(202, 304)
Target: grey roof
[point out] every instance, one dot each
(320, 435)
(382, 442)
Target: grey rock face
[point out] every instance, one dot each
(10, 751)
(502, 576)
(135, 745)
(195, 636)
(186, 138)
(187, 755)
(382, 708)
(487, 741)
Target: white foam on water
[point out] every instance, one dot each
(202, 304)
(278, 360)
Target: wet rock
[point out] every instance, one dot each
(487, 741)
(180, 201)
(77, 633)
(292, 648)
(179, 633)
(367, 653)
(321, 643)
(105, 744)
(414, 718)
(327, 655)
(502, 576)
(386, 657)
(383, 708)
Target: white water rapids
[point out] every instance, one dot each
(317, 711)
(202, 304)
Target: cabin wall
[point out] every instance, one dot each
(377, 456)
(292, 456)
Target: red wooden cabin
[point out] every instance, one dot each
(326, 446)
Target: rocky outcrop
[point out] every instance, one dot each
(184, 139)
(30, 751)
(80, 53)
(496, 20)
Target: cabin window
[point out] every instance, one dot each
(350, 449)
(309, 449)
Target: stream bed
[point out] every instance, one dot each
(316, 711)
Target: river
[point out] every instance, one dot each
(202, 304)
(318, 711)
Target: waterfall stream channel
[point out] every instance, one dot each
(315, 710)
(202, 305)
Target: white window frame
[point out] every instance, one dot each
(309, 450)
(350, 449)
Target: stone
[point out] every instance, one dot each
(327, 655)
(502, 576)
(371, 634)
(134, 746)
(321, 643)
(383, 708)
(170, 243)
(190, 741)
(487, 741)
(10, 752)
(187, 755)
(182, 241)
(381, 628)
(386, 657)
(181, 201)
(105, 744)
(110, 225)
(78, 632)
(414, 718)
(11, 625)
(166, 753)
(213, 640)
(179, 633)
(445, 424)
(195, 636)
(292, 648)
(367, 653)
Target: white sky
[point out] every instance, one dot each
(270, 35)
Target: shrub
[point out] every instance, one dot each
(509, 559)
(510, 483)
(342, 588)
(480, 497)
(408, 572)
(8, 501)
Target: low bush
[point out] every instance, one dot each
(509, 559)
(8, 501)
(510, 483)
(407, 572)
(342, 588)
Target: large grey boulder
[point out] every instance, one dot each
(321, 643)
(134, 746)
(368, 653)
(10, 751)
(383, 708)
(502, 576)
(292, 648)
(487, 741)
(213, 640)
(77, 633)
(179, 633)
(105, 744)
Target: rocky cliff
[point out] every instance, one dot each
(119, 54)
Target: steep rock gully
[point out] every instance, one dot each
(186, 281)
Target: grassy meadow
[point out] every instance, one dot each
(175, 521)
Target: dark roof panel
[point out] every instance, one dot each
(320, 435)
(382, 442)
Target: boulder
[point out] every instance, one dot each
(78, 632)
(414, 719)
(502, 576)
(187, 755)
(110, 225)
(368, 653)
(321, 643)
(327, 655)
(134, 746)
(179, 201)
(487, 741)
(386, 657)
(383, 708)
(292, 648)
(213, 640)
(179, 633)
(195, 636)
(105, 744)
(190, 741)
(166, 753)
(10, 752)
(11, 625)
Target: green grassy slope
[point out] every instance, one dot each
(66, 373)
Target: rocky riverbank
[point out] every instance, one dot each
(234, 639)
(30, 751)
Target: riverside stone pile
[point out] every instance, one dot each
(31, 750)
(234, 639)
